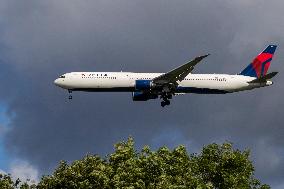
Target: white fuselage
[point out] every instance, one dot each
(125, 82)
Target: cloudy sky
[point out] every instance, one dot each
(39, 40)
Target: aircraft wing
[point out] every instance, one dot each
(178, 74)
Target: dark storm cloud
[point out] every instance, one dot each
(42, 39)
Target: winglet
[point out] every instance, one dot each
(198, 59)
(204, 56)
(179, 73)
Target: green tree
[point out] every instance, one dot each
(217, 166)
(6, 182)
(224, 167)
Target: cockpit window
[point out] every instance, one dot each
(63, 76)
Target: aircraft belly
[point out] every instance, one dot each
(236, 86)
(202, 88)
(213, 87)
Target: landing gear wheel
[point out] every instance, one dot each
(167, 102)
(166, 96)
(70, 96)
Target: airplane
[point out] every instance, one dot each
(146, 86)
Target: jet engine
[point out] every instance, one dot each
(143, 96)
(143, 85)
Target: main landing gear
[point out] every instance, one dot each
(70, 96)
(165, 103)
(166, 100)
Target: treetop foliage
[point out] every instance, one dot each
(215, 167)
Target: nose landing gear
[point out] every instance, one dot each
(70, 95)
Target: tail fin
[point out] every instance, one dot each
(260, 65)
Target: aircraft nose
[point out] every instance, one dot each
(57, 82)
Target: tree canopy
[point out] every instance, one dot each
(215, 167)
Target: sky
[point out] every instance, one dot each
(39, 40)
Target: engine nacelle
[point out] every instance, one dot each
(143, 85)
(142, 96)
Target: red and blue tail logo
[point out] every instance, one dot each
(260, 65)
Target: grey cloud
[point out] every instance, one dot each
(41, 39)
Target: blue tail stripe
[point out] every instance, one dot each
(270, 49)
(249, 71)
(263, 65)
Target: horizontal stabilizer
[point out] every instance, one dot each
(264, 78)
